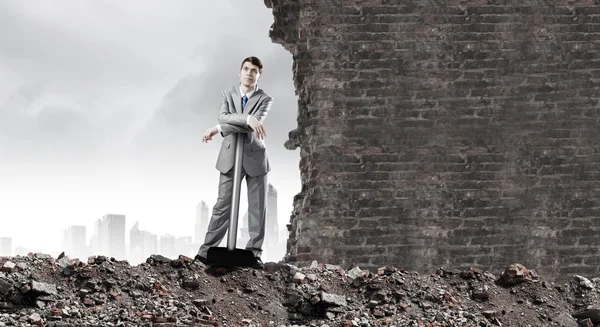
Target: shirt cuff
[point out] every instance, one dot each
(219, 128)
(248, 120)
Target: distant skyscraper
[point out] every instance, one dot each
(272, 224)
(167, 246)
(75, 242)
(283, 236)
(115, 225)
(135, 236)
(243, 235)
(99, 241)
(142, 244)
(150, 243)
(109, 236)
(136, 245)
(6, 246)
(201, 225)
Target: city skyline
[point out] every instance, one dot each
(111, 238)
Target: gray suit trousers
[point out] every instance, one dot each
(257, 212)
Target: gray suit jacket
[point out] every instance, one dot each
(255, 161)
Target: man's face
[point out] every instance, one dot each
(249, 74)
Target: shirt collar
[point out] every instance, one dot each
(249, 94)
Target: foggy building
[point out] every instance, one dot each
(185, 246)
(283, 236)
(202, 220)
(150, 244)
(116, 235)
(6, 246)
(167, 246)
(109, 236)
(135, 236)
(272, 225)
(136, 244)
(274, 242)
(75, 242)
(142, 244)
(99, 241)
(243, 236)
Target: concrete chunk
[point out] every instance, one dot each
(43, 287)
(333, 299)
(8, 266)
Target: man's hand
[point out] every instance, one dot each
(209, 133)
(258, 128)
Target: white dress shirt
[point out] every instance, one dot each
(249, 94)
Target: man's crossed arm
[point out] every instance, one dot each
(239, 123)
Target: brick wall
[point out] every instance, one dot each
(446, 132)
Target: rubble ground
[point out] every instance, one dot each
(39, 290)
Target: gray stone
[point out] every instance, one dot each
(584, 282)
(159, 258)
(63, 262)
(299, 277)
(44, 288)
(353, 273)
(8, 266)
(5, 286)
(332, 267)
(333, 299)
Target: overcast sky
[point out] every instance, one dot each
(103, 105)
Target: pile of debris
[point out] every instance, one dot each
(38, 290)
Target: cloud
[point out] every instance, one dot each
(92, 41)
(102, 102)
(114, 71)
(40, 121)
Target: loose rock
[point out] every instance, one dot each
(38, 290)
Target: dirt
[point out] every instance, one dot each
(38, 290)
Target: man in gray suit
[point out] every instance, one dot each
(243, 110)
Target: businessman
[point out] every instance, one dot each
(242, 111)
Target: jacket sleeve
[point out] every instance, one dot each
(227, 116)
(227, 129)
(260, 114)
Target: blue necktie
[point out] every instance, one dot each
(244, 100)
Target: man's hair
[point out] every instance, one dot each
(255, 61)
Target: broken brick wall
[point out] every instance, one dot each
(446, 132)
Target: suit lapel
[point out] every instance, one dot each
(237, 99)
(253, 100)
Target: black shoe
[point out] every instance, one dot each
(258, 264)
(201, 259)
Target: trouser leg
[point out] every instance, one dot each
(257, 212)
(219, 221)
